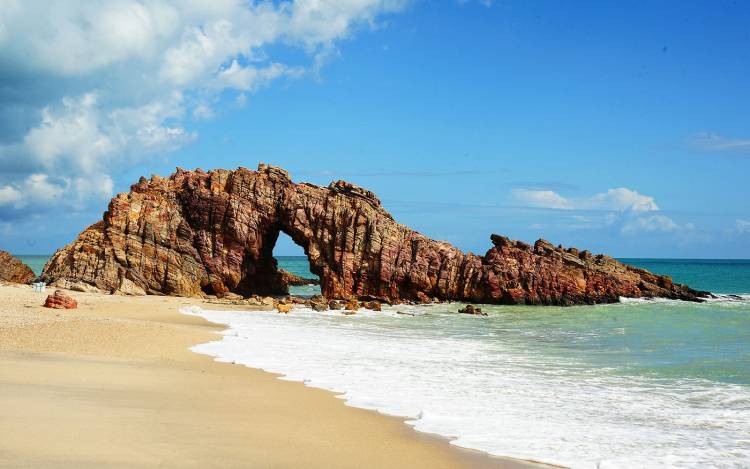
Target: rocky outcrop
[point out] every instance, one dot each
(295, 280)
(13, 270)
(60, 300)
(471, 309)
(201, 233)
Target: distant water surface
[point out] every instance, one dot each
(36, 262)
(714, 275)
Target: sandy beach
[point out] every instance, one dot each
(113, 384)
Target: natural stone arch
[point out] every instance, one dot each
(198, 233)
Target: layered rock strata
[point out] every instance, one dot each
(60, 300)
(200, 233)
(13, 270)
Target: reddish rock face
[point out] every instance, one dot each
(13, 270)
(197, 233)
(60, 300)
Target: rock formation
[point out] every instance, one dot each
(13, 270)
(60, 300)
(201, 233)
(471, 309)
(295, 280)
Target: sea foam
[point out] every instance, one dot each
(489, 385)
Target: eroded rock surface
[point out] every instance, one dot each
(13, 270)
(295, 280)
(202, 233)
(60, 300)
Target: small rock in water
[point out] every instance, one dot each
(405, 314)
(284, 308)
(267, 301)
(334, 304)
(60, 300)
(471, 309)
(372, 305)
(319, 303)
(352, 305)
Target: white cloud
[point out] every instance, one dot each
(710, 141)
(41, 189)
(71, 134)
(742, 226)
(241, 100)
(620, 199)
(250, 78)
(624, 209)
(99, 85)
(487, 3)
(542, 199)
(9, 195)
(650, 223)
(76, 37)
(203, 112)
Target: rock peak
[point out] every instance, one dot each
(347, 188)
(13, 270)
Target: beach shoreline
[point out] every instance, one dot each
(114, 383)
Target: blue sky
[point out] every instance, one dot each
(618, 127)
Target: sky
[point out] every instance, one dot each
(618, 127)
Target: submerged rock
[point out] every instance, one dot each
(201, 233)
(334, 304)
(319, 303)
(295, 280)
(13, 270)
(60, 300)
(471, 309)
(372, 305)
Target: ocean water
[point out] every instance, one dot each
(632, 385)
(714, 275)
(298, 265)
(35, 262)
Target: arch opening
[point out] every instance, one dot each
(280, 268)
(294, 266)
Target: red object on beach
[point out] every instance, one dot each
(60, 300)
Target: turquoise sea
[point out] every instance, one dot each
(642, 383)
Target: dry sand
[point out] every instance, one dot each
(113, 384)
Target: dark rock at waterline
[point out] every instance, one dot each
(200, 233)
(471, 309)
(318, 303)
(295, 280)
(372, 305)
